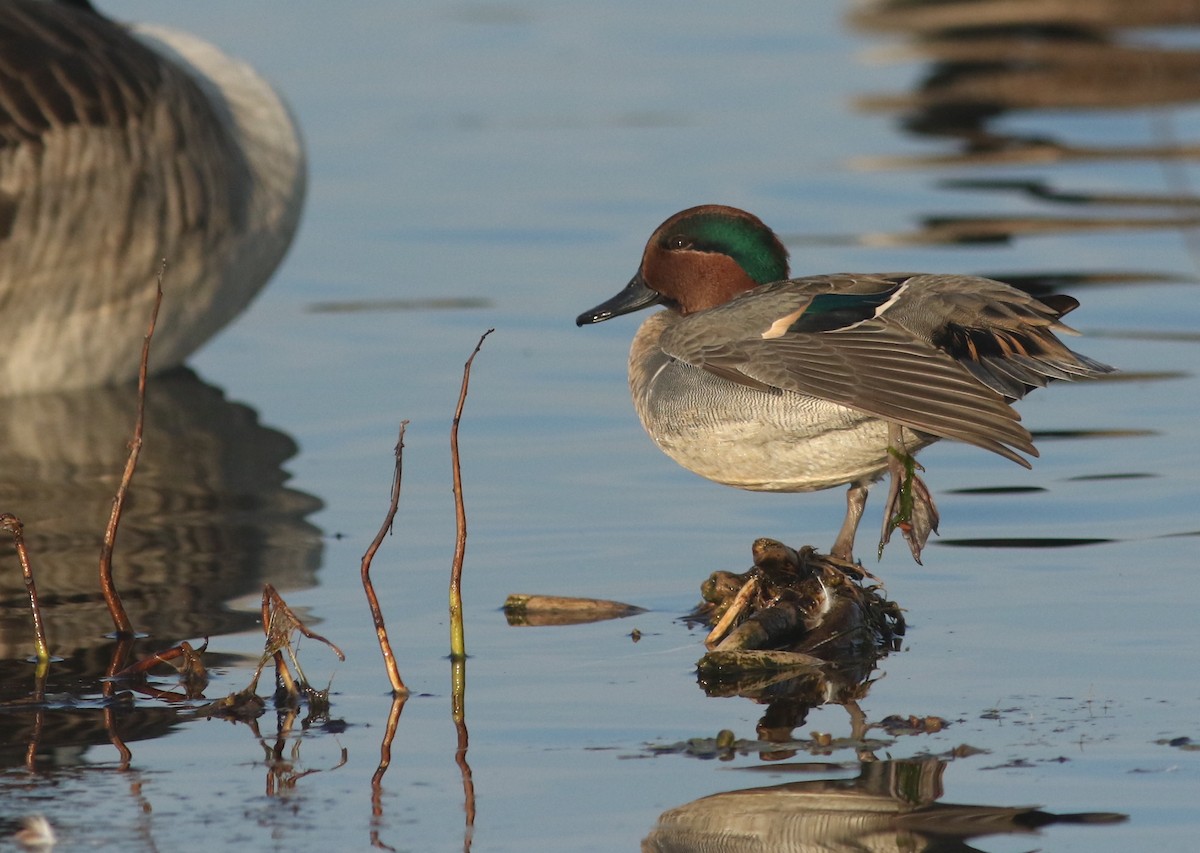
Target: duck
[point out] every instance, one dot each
(764, 382)
(121, 148)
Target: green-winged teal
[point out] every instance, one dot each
(767, 383)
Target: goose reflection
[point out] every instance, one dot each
(990, 59)
(889, 806)
(121, 147)
(209, 516)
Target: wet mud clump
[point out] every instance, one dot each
(795, 608)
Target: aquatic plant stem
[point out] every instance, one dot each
(280, 620)
(458, 642)
(385, 645)
(13, 525)
(121, 623)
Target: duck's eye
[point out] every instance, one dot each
(678, 241)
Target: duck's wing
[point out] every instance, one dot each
(828, 337)
(1006, 338)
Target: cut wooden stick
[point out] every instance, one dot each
(13, 525)
(385, 645)
(121, 623)
(458, 642)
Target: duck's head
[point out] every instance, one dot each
(699, 258)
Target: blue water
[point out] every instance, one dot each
(517, 155)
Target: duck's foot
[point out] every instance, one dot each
(909, 506)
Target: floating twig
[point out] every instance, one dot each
(13, 525)
(757, 660)
(121, 623)
(385, 645)
(458, 643)
(736, 610)
(521, 609)
(185, 658)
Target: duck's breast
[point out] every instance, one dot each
(739, 436)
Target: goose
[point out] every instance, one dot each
(122, 147)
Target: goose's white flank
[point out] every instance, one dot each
(122, 146)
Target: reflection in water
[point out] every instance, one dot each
(984, 69)
(282, 756)
(209, 516)
(992, 57)
(790, 694)
(1044, 283)
(35, 737)
(989, 58)
(924, 16)
(890, 805)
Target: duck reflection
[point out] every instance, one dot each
(209, 516)
(889, 805)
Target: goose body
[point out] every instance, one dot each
(121, 148)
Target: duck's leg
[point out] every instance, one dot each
(856, 501)
(909, 504)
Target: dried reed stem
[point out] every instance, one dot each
(385, 645)
(458, 643)
(13, 525)
(124, 628)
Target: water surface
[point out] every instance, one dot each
(500, 165)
